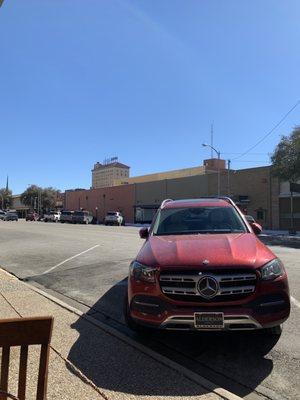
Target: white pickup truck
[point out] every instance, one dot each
(52, 216)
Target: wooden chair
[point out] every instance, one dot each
(24, 332)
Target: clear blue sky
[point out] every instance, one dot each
(141, 79)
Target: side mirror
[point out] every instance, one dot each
(257, 229)
(144, 233)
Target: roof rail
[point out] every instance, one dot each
(165, 202)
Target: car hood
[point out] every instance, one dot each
(225, 250)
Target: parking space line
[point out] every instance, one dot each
(68, 259)
(295, 302)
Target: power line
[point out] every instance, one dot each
(269, 133)
(254, 161)
(252, 154)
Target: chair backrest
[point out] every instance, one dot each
(24, 332)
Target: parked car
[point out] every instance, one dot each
(66, 216)
(82, 217)
(52, 216)
(203, 268)
(32, 216)
(11, 216)
(114, 218)
(2, 214)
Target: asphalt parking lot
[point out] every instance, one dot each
(86, 266)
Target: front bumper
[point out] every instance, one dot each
(264, 311)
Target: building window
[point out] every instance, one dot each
(260, 215)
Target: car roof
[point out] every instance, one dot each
(201, 202)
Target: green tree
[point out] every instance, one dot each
(34, 195)
(30, 196)
(286, 157)
(5, 198)
(286, 163)
(49, 197)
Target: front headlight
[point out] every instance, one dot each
(272, 270)
(141, 272)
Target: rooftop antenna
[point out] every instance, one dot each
(211, 139)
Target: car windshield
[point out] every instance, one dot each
(112, 213)
(79, 213)
(180, 221)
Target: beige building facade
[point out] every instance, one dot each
(254, 190)
(211, 165)
(104, 175)
(17, 205)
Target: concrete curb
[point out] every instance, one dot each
(223, 393)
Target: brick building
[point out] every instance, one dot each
(100, 201)
(255, 190)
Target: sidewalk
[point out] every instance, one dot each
(88, 361)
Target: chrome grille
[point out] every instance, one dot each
(231, 283)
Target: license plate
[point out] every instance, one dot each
(208, 320)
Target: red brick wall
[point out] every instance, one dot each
(116, 198)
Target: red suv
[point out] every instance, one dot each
(202, 267)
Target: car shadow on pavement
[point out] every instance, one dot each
(236, 361)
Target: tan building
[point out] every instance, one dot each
(208, 166)
(19, 206)
(104, 175)
(254, 190)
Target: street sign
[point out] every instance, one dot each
(295, 187)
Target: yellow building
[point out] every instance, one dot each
(209, 166)
(104, 175)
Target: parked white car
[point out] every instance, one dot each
(52, 216)
(114, 218)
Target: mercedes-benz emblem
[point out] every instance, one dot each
(208, 287)
(205, 262)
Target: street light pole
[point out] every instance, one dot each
(228, 177)
(219, 155)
